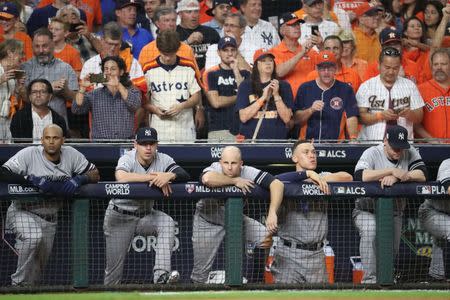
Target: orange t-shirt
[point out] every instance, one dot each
(27, 43)
(306, 64)
(71, 56)
(360, 66)
(347, 75)
(367, 46)
(410, 68)
(90, 7)
(150, 52)
(301, 15)
(422, 59)
(436, 112)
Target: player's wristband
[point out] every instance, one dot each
(379, 116)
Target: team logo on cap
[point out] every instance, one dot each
(326, 56)
(227, 39)
(148, 132)
(336, 103)
(392, 35)
(401, 136)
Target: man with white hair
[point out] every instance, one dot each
(262, 33)
(197, 36)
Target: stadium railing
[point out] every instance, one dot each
(82, 246)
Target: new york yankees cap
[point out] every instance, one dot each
(146, 134)
(226, 41)
(397, 137)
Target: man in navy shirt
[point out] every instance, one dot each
(222, 82)
(126, 13)
(325, 106)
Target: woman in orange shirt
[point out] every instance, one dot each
(415, 48)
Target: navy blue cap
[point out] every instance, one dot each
(9, 10)
(397, 137)
(146, 134)
(390, 34)
(226, 41)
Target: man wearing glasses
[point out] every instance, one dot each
(30, 121)
(388, 99)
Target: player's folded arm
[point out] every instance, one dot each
(180, 174)
(6, 175)
(293, 176)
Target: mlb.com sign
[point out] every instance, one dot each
(17, 189)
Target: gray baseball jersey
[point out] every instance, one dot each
(129, 163)
(31, 161)
(208, 226)
(301, 221)
(304, 220)
(35, 225)
(443, 176)
(212, 209)
(374, 158)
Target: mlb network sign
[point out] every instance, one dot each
(430, 190)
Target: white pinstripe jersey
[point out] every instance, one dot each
(372, 94)
(168, 88)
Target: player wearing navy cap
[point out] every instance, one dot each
(125, 217)
(390, 162)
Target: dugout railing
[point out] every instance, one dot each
(81, 244)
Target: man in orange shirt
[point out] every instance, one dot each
(293, 60)
(348, 58)
(390, 37)
(166, 19)
(334, 44)
(365, 35)
(436, 95)
(64, 51)
(9, 15)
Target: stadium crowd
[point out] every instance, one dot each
(215, 70)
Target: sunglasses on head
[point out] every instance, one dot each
(391, 52)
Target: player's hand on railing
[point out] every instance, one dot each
(244, 184)
(315, 178)
(160, 178)
(40, 182)
(71, 185)
(389, 180)
(272, 222)
(166, 190)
